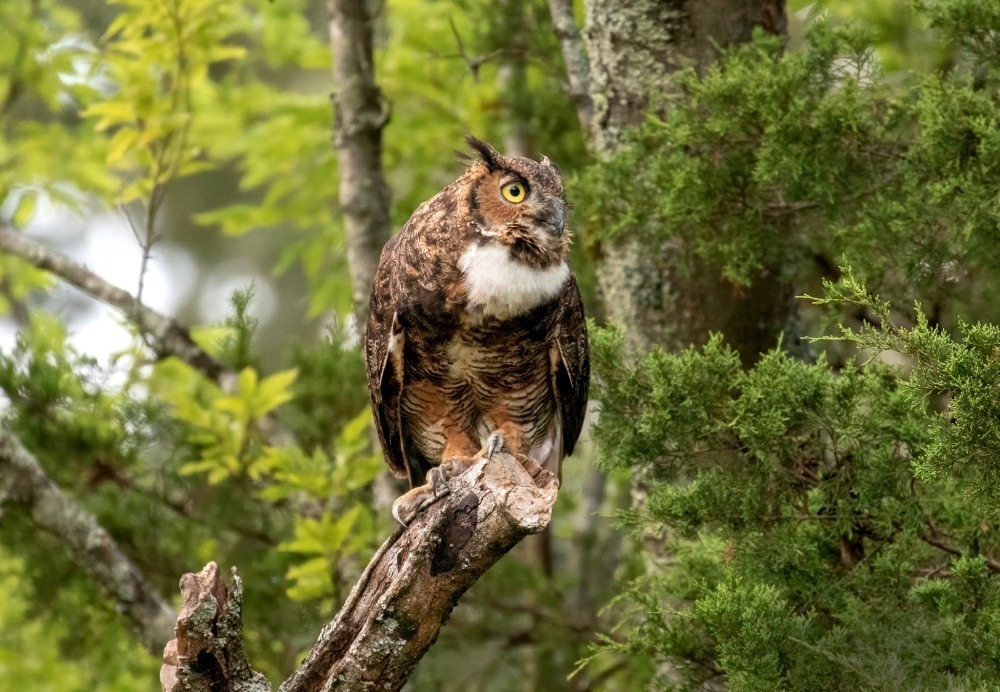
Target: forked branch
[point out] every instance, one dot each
(404, 596)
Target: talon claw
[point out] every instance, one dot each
(396, 507)
(494, 443)
(438, 480)
(406, 507)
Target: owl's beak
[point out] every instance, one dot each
(558, 219)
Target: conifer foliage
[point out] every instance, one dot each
(821, 516)
(826, 523)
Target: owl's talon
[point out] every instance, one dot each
(407, 506)
(494, 443)
(437, 479)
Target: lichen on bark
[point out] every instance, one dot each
(634, 47)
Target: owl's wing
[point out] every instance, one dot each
(384, 340)
(571, 375)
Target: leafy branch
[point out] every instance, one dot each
(166, 336)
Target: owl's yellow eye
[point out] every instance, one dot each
(514, 192)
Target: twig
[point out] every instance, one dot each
(106, 472)
(166, 336)
(942, 544)
(24, 481)
(472, 63)
(781, 207)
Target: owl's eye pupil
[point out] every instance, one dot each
(515, 190)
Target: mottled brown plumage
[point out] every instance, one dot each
(476, 324)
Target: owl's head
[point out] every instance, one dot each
(518, 203)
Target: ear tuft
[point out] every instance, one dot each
(487, 154)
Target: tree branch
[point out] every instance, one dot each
(358, 121)
(406, 593)
(941, 543)
(23, 480)
(575, 57)
(165, 336)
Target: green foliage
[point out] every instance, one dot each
(773, 158)
(131, 105)
(966, 372)
(33, 644)
(828, 526)
(969, 24)
(150, 110)
(180, 469)
(810, 492)
(815, 525)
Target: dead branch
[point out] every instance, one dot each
(359, 117)
(395, 611)
(473, 63)
(24, 481)
(207, 652)
(575, 57)
(165, 336)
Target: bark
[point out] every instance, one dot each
(633, 48)
(207, 651)
(575, 58)
(395, 611)
(164, 335)
(359, 117)
(23, 481)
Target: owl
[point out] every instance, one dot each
(476, 337)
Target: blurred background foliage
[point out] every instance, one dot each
(191, 140)
(202, 129)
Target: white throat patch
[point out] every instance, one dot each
(503, 287)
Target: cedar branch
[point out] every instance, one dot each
(164, 335)
(941, 543)
(24, 481)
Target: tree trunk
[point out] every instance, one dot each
(359, 117)
(633, 48)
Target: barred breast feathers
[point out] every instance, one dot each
(503, 287)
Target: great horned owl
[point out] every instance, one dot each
(476, 335)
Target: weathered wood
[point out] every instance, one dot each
(408, 590)
(207, 650)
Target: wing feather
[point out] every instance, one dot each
(384, 339)
(571, 374)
